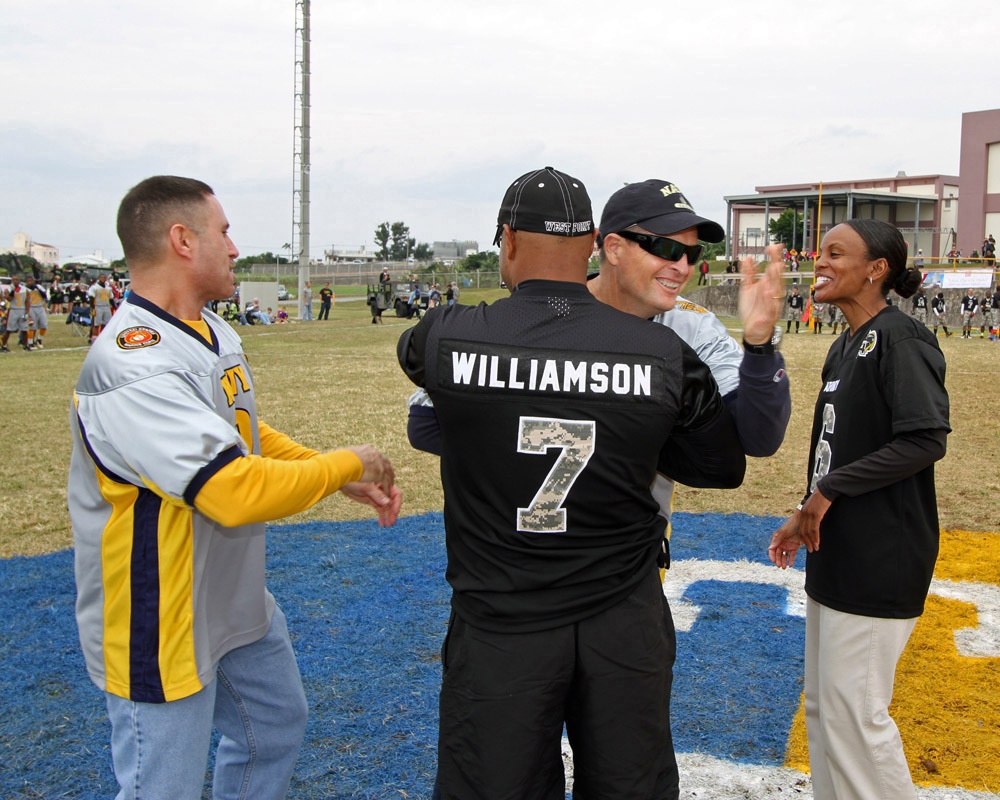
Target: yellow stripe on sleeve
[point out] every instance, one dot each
(270, 488)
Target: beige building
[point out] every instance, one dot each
(45, 254)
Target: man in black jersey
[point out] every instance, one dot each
(991, 312)
(555, 413)
(795, 303)
(920, 306)
(970, 304)
(940, 310)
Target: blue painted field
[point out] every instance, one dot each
(367, 609)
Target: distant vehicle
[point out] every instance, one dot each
(402, 297)
(282, 291)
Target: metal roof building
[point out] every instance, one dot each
(923, 207)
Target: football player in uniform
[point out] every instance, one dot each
(38, 318)
(794, 304)
(939, 308)
(970, 304)
(919, 304)
(18, 305)
(555, 413)
(991, 311)
(869, 518)
(101, 296)
(175, 620)
(816, 311)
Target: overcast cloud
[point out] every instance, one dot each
(425, 111)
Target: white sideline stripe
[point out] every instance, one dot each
(983, 641)
(712, 778)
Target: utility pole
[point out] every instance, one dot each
(300, 158)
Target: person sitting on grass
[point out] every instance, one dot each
(255, 315)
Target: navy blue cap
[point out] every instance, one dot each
(658, 207)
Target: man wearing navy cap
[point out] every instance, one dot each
(555, 413)
(649, 238)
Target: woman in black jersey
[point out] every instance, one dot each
(869, 520)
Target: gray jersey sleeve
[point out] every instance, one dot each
(708, 337)
(181, 432)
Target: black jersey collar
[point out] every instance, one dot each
(544, 288)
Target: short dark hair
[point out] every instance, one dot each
(883, 240)
(151, 207)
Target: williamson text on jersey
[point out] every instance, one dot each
(476, 367)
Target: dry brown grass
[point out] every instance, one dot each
(336, 383)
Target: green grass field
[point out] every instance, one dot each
(335, 383)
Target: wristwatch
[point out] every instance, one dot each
(766, 349)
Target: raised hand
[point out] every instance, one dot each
(761, 297)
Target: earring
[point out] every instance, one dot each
(870, 279)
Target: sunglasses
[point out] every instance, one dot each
(664, 247)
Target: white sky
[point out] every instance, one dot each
(425, 110)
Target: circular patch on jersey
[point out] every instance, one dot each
(870, 340)
(139, 336)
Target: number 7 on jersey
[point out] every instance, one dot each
(576, 439)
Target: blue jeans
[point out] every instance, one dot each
(160, 750)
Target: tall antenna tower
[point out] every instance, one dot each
(300, 157)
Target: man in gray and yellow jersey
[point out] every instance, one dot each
(17, 314)
(38, 318)
(101, 295)
(176, 623)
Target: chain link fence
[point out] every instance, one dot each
(368, 274)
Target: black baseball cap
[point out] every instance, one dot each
(546, 201)
(657, 206)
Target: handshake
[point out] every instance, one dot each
(377, 486)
